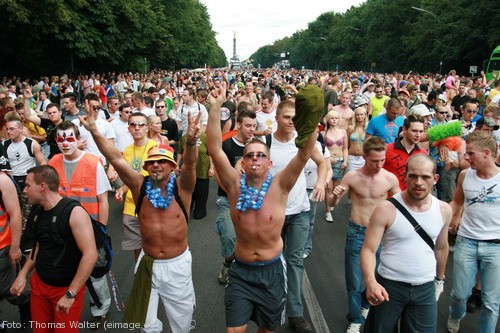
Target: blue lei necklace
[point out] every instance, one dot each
(154, 194)
(251, 197)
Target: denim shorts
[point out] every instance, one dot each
(338, 172)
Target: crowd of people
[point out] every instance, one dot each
(277, 143)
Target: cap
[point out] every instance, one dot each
(359, 100)
(161, 152)
(488, 121)
(404, 92)
(420, 110)
(162, 92)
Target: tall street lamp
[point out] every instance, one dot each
(437, 19)
(426, 11)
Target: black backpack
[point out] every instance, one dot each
(102, 239)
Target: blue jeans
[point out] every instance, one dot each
(469, 258)
(312, 218)
(224, 227)
(294, 234)
(415, 304)
(356, 289)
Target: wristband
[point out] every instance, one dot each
(191, 143)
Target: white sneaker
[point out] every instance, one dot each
(364, 312)
(353, 328)
(329, 217)
(453, 325)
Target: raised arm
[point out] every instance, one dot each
(27, 109)
(188, 170)
(227, 175)
(288, 176)
(130, 177)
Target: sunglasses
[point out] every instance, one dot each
(443, 112)
(161, 162)
(160, 107)
(137, 124)
(127, 112)
(61, 139)
(96, 107)
(259, 156)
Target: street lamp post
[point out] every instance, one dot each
(437, 19)
(426, 11)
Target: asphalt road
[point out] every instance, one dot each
(324, 287)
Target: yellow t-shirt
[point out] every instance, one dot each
(378, 105)
(135, 156)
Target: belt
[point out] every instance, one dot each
(494, 241)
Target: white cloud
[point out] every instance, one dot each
(259, 22)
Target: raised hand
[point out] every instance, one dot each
(194, 128)
(218, 95)
(27, 93)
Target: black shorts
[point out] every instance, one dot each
(256, 291)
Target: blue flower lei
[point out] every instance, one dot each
(154, 194)
(251, 197)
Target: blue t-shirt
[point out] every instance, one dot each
(384, 128)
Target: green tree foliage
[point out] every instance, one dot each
(386, 36)
(55, 36)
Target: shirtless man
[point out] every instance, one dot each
(367, 187)
(257, 223)
(165, 251)
(345, 112)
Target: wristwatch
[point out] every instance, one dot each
(69, 294)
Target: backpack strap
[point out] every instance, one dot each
(142, 193)
(269, 140)
(417, 227)
(62, 212)
(106, 113)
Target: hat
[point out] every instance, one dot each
(161, 152)
(404, 92)
(162, 92)
(419, 110)
(359, 100)
(370, 84)
(488, 121)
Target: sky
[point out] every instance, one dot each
(259, 22)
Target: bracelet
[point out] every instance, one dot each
(438, 279)
(191, 143)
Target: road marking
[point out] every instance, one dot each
(315, 312)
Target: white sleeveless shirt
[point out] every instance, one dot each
(481, 217)
(405, 256)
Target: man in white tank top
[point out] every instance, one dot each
(410, 276)
(477, 249)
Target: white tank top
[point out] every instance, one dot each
(281, 154)
(481, 217)
(405, 256)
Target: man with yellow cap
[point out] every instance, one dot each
(163, 269)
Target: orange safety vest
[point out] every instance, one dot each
(83, 186)
(5, 232)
